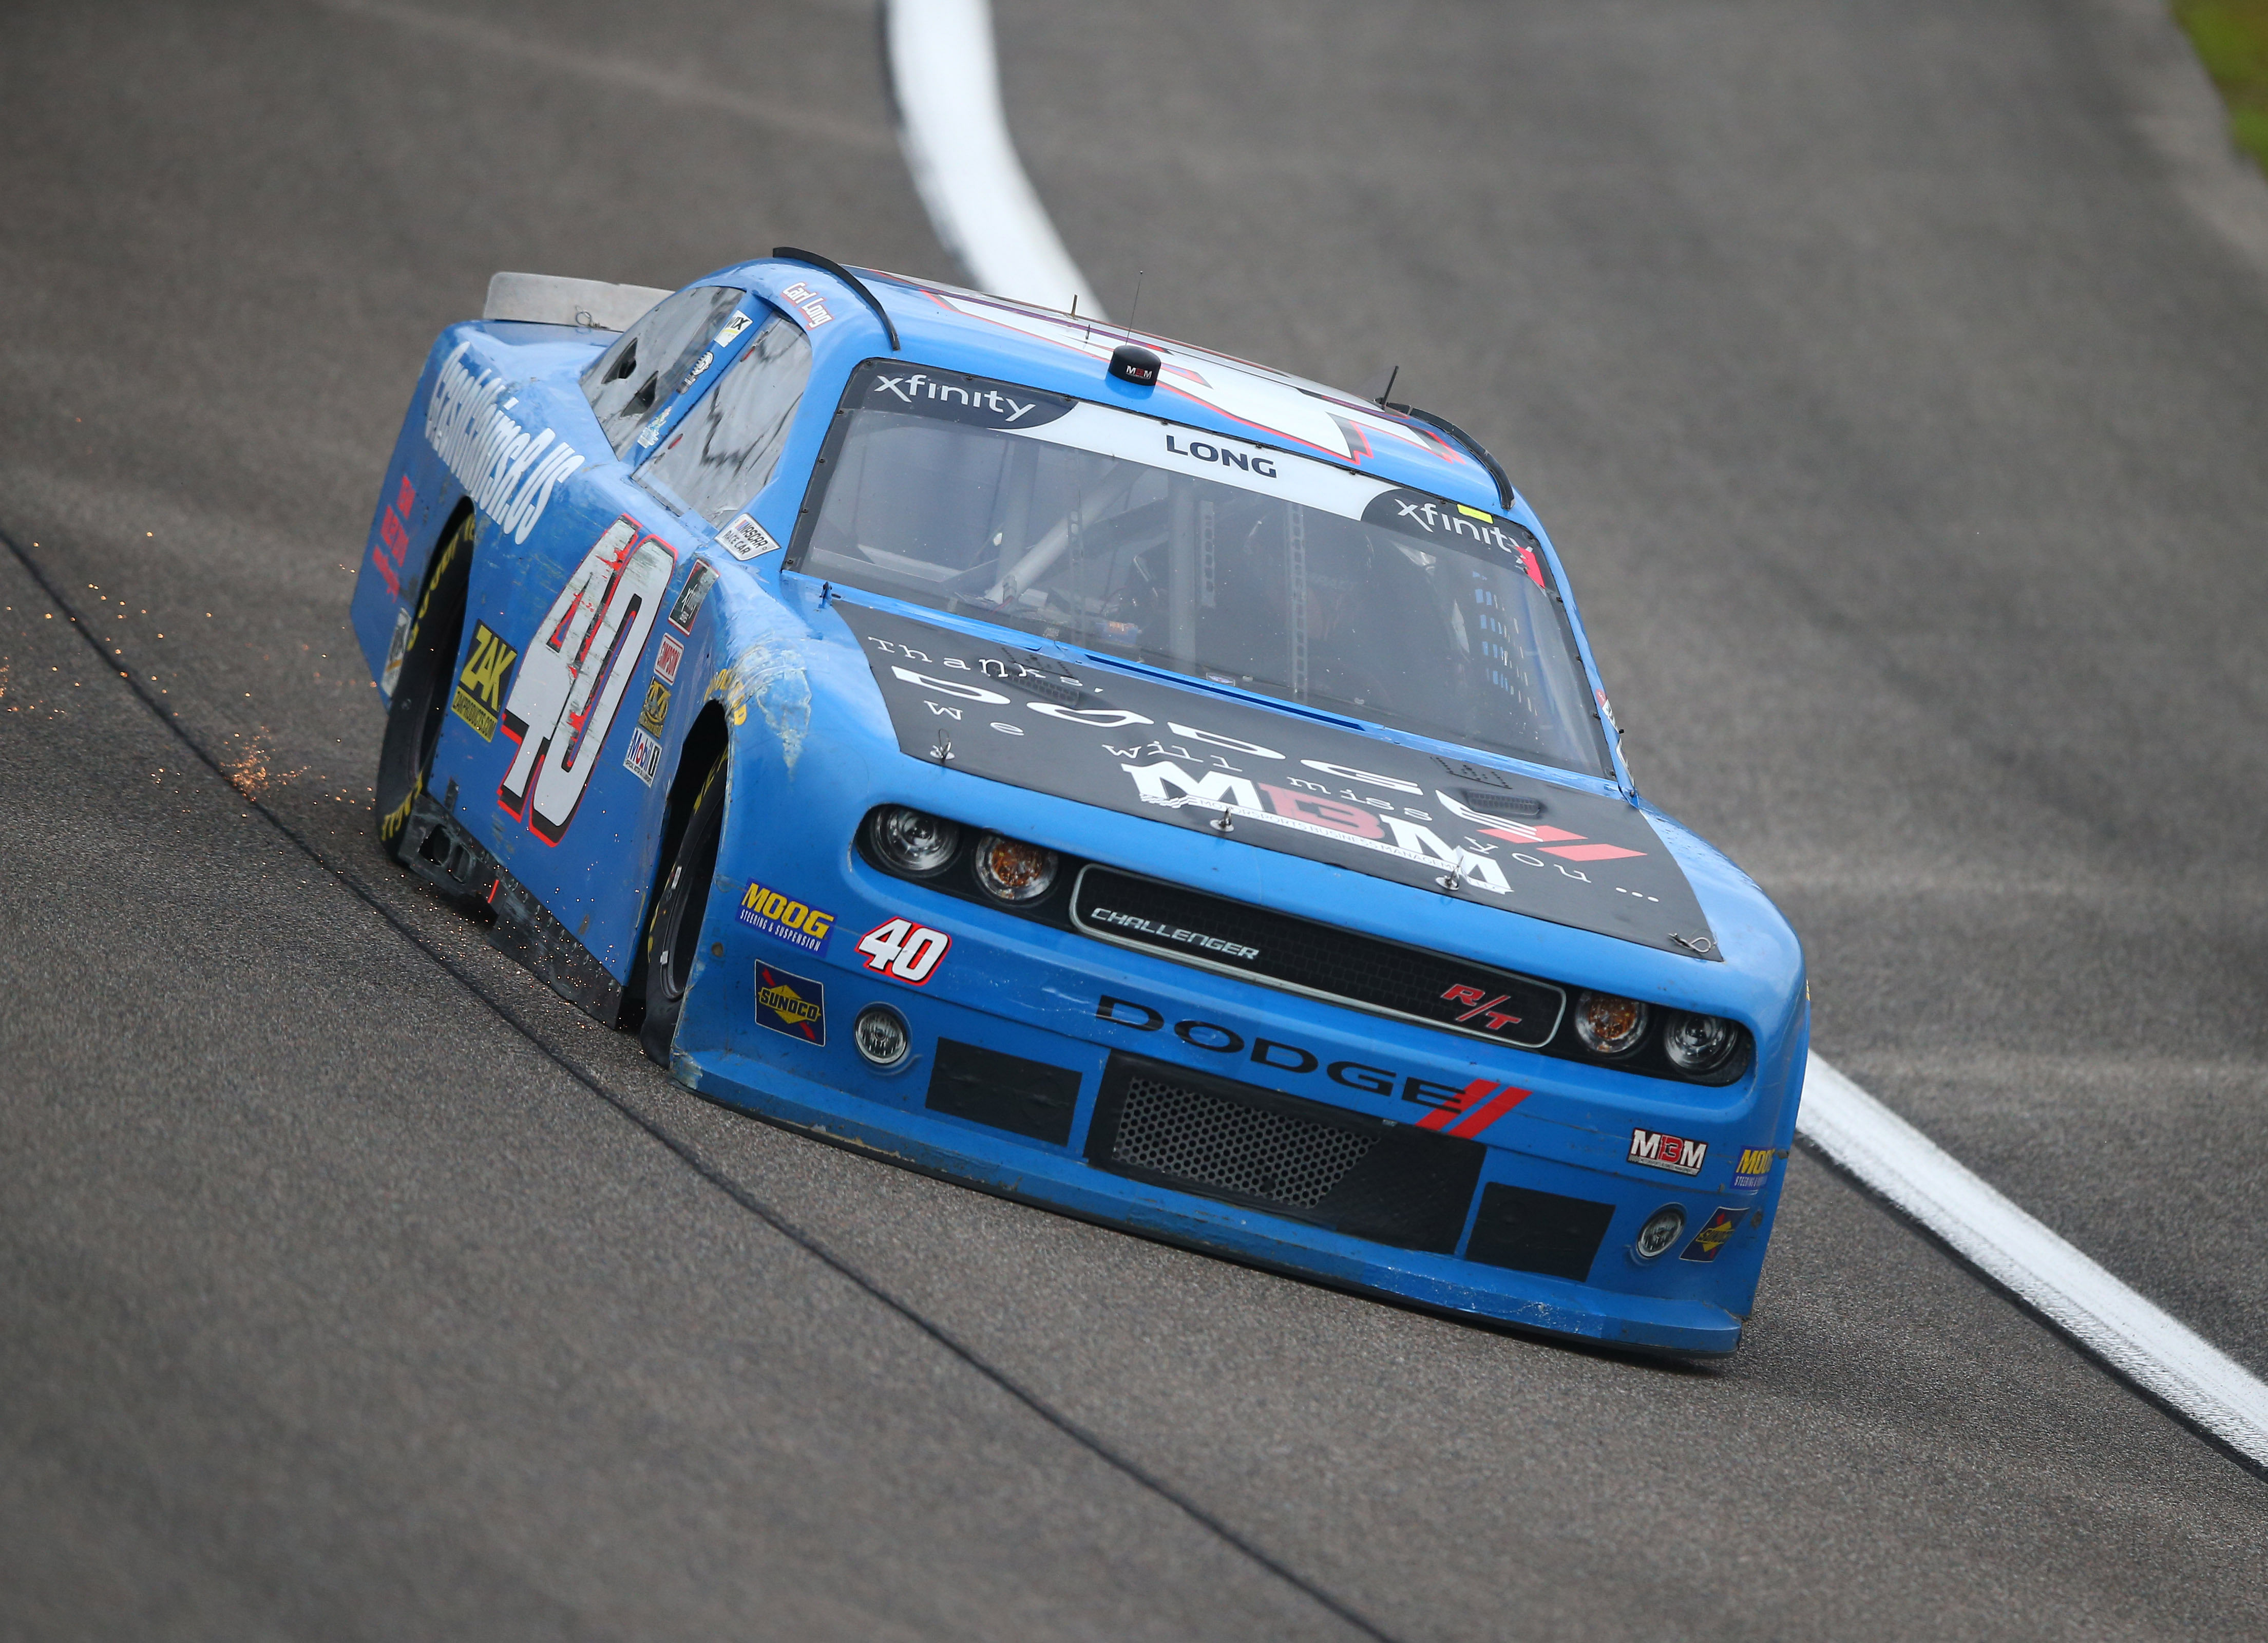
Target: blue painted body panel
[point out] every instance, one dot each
(813, 749)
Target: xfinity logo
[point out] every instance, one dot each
(1435, 519)
(918, 386)
(1204, 453)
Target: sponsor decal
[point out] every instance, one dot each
(1117, 920)
(734, 327)
(745, 538)
(691, 595)
(1756, 1163)
(904, 949)
(1713, 1236)
(1673, 1153)
(978, 400)
(1462, 1110)
(1415, 512)
(576, 668)
(643, 757)
(807, 303)
(655, 713)
(394, 538)
(480, 687)
(1265, 780)
(395, 652)
(667, 655)
(508, 472)
(796, 922)
(790, 1004)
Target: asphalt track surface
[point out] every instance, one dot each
(1900, 417)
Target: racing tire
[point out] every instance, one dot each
(421, 690)
(673, 931)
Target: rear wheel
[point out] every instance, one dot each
(421, 690)
(673, 931)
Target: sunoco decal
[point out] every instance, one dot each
(508, 472)
(1275, 782)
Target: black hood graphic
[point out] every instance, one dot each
(1106, 735)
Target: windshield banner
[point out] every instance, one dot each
(1106, 735)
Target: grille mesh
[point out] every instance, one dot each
(1170, 1129)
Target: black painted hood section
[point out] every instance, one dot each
(1128, 740)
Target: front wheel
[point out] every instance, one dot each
(673, 931)
(421, 690)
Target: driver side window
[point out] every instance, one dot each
(647, 362)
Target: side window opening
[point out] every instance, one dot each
(728, 445)
(646, 362)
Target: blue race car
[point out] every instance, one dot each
(1086, 767)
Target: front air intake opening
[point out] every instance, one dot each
(1372, 1178)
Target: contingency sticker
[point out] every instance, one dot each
(667, 655)
(1712, 1237)
(643, 757)
(1088, 731)
(689, 599)
(1673, 1153)
(791, 921)
(745, 538)
(790, 1004)
(479, 699)
(1756, 1163)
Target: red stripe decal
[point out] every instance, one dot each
(1473, 1123)
(1442, 1118)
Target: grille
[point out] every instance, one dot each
(1274, 947)
(1307, 1161)
(1168, 1128)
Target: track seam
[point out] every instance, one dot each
(686, 1154)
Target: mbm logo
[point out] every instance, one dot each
(1673, 1153)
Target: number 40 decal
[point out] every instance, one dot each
(564, 702)
(904, 949)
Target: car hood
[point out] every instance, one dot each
(1128, 738)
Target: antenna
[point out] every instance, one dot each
(1134, 307)
(1378, 398)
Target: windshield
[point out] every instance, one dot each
(1204, 555)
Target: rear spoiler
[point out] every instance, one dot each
(552, 299)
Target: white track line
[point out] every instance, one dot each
(2139, 1340)
(956, 142)
(955, 136)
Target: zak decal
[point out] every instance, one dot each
(667, 655)
(790, 1004)
(1673, 1153)
(508, 472)
(689, 597)
(1756, 1163)
(745, 538)
(794, 922)
(904, 949)
(393, 540)
(1255, 777)
(808, 303)
(578, 664)
(480, 687)
(643, 757)
(1462, 1111)
(655, 713)
(1712, 1237)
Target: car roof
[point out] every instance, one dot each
(954, 328)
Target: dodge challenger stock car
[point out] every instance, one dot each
(1085, 767)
